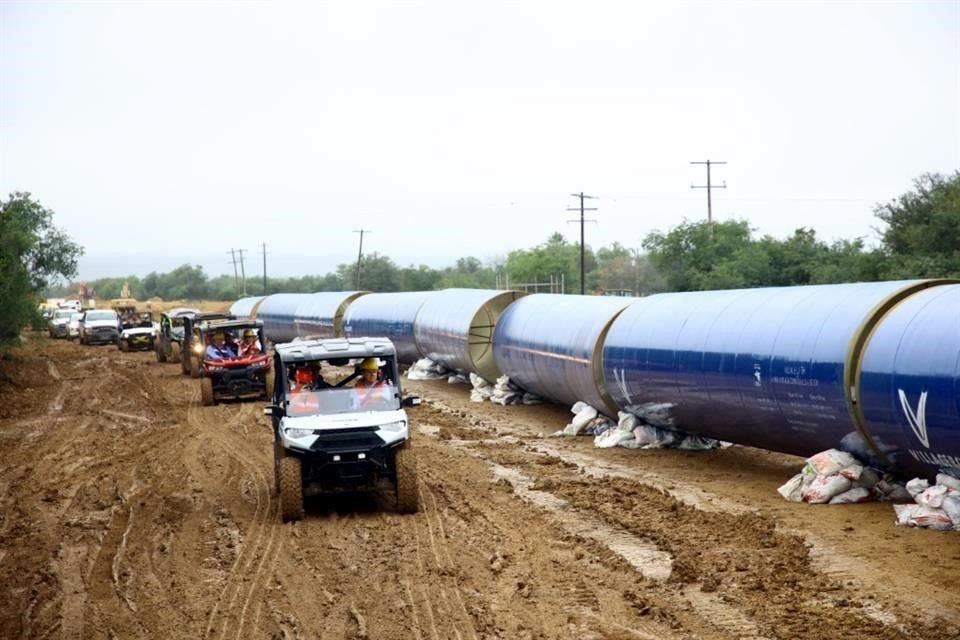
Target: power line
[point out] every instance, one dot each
(709, 187)
(582, 245)
(263, 247)
(236, 277)
(360, 253)
(243, 272)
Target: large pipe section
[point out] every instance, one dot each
(552, 345)
(321, 314)
(909, 383)
(279, 315)
(246, 307)
(772, 368)
(387, 314)
(455, 327)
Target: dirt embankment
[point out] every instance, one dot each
(127, 510)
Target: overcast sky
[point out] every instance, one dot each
(165, 132)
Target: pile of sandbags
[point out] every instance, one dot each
(503, 392)
(632, 433)
(458, 378)
(482, 390)
(837, 477)
(427, 369)
(506, 392)
(936, 507)
(586, 421)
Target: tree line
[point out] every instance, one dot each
(920, 238)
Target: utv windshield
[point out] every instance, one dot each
(101, 315)
(343, 400)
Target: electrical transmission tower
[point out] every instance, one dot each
(263, 248)
(360, 254)
(583, 221)
(709, 187)
(243, 271)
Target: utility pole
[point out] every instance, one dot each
(709, 187)
(236, 277)
(583, 281)
(360, 253)
(243, 272)
(263, 247)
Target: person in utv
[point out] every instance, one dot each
(371, 390)
(369, 375)
(250, 345)
(219, 349)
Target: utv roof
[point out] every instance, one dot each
(307, 349)
(180, 311)
(220, 325)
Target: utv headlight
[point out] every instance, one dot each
(298, 433)
(394, 426)
(198, 348)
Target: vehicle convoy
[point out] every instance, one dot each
(169, 339)
(234, 365)
(59, 324)
(194, 343)
(99, 326)
(137, 332)
(339, 422)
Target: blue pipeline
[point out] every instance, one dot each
(390, 315)
(871, 368)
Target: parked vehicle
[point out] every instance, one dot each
(57, 327)
(99, 326)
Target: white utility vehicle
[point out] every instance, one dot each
(337, 426)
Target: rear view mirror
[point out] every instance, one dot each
(411, 401)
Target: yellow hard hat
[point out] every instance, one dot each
(249, 333)
(370, 364)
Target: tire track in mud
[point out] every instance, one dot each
(449, 605)
(246, 576)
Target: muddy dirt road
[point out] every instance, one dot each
(127, 510)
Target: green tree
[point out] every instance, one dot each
(698, 255)
(33, 253)
(377, 273)
(922, 234)
(556, 257)
(421, 278)
(469, 273)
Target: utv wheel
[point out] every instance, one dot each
(407, 497)
(206, 392)
(291, 489)
(124, 345)
(161, 354)
(194, 367)
(174, 351)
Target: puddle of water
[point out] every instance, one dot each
(645, 557)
